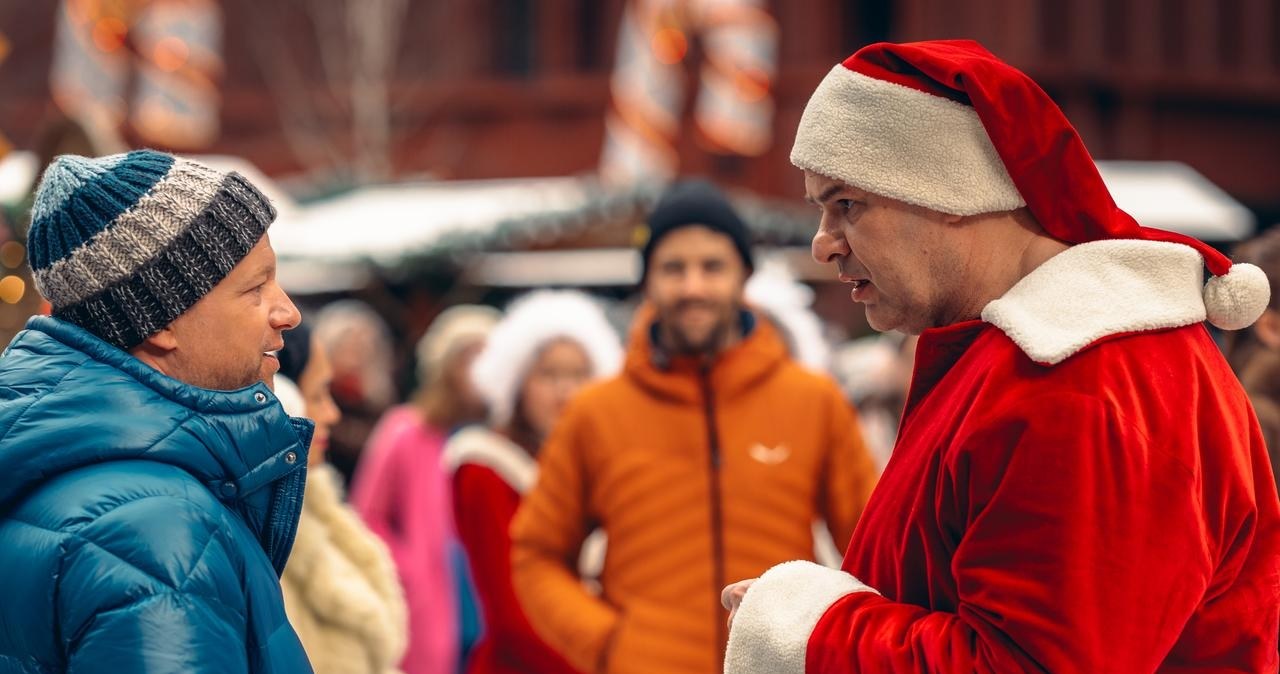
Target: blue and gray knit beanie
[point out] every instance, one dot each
(123, 245)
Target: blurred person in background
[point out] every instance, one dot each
(875, 373)
(341, 591)
(1079, 483)
(709, 456)
(402, 493)
(359, 346)
(775, 291)
(150, 484)
(1254, 354)
(549, 344)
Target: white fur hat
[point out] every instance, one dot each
(530, 322)
(774, 289)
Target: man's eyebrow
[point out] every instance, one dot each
(263, 272)
(826, 194)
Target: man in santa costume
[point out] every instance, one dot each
(1079, 484)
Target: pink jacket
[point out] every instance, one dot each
(401, 492)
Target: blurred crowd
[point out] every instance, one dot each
(566, 482)
(440, 476)
(460, 527)
(655, 451)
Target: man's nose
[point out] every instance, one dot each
(694, 284)
(828, 247)
(286, 315)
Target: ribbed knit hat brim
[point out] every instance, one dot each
(123, 245)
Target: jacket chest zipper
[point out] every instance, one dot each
(717, 516)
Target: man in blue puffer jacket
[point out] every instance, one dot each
(150, 484)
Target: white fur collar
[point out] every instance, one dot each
(341, 580)
(1098, 289)
(481, 446)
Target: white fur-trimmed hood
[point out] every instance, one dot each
(483, 447)
(1099, 289)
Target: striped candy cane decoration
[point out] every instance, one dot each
(171, 47)
(734, 109)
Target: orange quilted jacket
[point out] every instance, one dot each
(699, 476)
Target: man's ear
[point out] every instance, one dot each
(1268, 329)
(161, 342)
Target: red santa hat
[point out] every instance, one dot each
(948, 126)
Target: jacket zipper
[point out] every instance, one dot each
(717, 523)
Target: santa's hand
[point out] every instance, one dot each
(732, 596)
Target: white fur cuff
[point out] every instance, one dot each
(771, 630)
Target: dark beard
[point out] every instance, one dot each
(680, 344)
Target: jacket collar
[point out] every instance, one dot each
(240, 444)
(1100, 289)
(736, 369)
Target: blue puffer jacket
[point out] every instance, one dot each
(143, 522)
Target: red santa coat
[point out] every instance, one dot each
(1079, 485)
(490, 476)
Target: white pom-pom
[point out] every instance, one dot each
(1236, 299)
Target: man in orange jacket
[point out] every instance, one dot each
(708, 459)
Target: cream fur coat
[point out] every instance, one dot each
(341, 591)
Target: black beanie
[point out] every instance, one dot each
(696, 203)
(296, 352)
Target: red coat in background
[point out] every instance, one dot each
(490, 474)
(1079, 485)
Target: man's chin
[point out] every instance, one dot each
(882, 321)
(696, 344)
(267, 372)
(876, 321)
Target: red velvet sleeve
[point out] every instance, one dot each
(1070, 560)
(1081, 551)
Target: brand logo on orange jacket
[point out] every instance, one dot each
(770, 456)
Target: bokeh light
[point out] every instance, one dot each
(669, 45)
(12, 254)
(12, 289)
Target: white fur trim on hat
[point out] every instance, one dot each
(902, 143)
(1236, 299)
(770, 632)
(529, 324)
